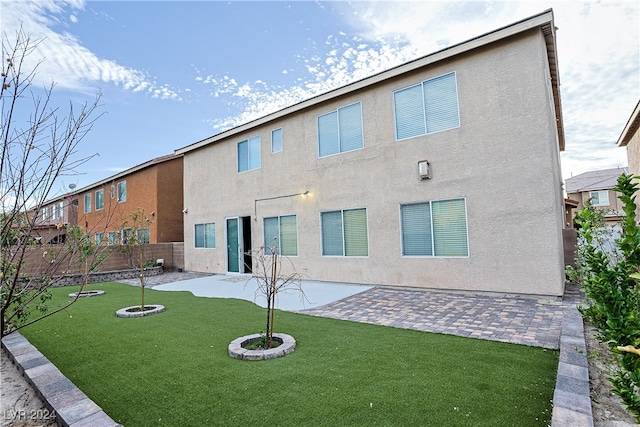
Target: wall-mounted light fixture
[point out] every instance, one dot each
(424, 169)
(185, 210)
(255, 202)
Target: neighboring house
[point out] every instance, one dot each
(53, 218)
(630, 138)
(597, 187)
(154, 187)
(443, 172)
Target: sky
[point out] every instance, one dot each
(171, 73)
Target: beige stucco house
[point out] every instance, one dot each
(597, 188)
(630, 138)
(443, 172)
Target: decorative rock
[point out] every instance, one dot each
(86, 294)
(134, 311)
(237, 350)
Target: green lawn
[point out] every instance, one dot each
(173, 368)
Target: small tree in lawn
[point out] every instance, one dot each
(271, 280)
(38, 148)
(135, 237)
(89, 254)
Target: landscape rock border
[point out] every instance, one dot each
(86, 294)
(131, 311)
(237, 350)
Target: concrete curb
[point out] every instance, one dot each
(572, 397)
(70, 405)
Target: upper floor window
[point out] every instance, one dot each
(113, 191)
(599, 198)
(430, 106)
(281, 232)
(276, 140)
(87, 203)
(344, 233)
(437, 228)
(59, 207)
(340, 130)
(99, 199)
(99, 238)
(249, 154)
(122, 191)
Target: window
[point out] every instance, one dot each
(344, 233)
(340, 131)
(206, 235)
(436, 228)
(142, 234)
(127, 233)
(281, 232)
(99, 237)
(87, 203)
(430, 106)
(113, 191)
(99, 199)
(112, 238)
(122, 191)
(276, 140)
(51, 212)
(249, 154)
(599, 198)
(59, 207)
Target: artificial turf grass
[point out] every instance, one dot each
(173, 368)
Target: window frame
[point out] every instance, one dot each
(339, 130)
(101, 199)
(344, 233)
(87, 206)
(432, 229)
(113, 237)
(285, 251)
(598, 193)
(146, 237)
(425, 116)
(251, 143)
(274, 148)
(122, 195)
(205, 226)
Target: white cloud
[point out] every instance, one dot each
(62, 57)
(598, 50)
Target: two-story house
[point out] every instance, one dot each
(597, 188)
(54, 217)
(153, 188)
(630, 138)
(443, 172)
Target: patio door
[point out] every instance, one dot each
(239, 245)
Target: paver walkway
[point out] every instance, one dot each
(513, 319)
(510, 319)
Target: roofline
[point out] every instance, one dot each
(631, 127)
(126, 172)
(543, 20)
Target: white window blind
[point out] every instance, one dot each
(344, 233)
(428, 107)
(437, 228)
(340, 131)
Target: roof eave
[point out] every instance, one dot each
(544, 21)
(631, 127)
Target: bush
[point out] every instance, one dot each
(609, 274)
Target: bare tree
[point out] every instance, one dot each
(271, 280)
(135, 238)
(39, 146)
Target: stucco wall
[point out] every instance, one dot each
(503, 160)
